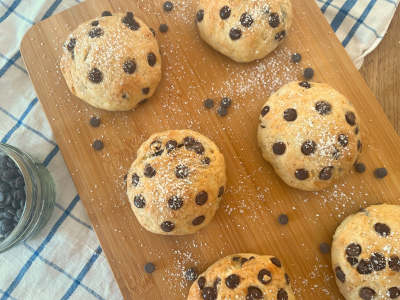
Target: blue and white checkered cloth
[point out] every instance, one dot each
(65, 260)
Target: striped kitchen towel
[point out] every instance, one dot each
(65, 260)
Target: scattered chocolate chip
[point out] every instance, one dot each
(273, 20)
(236, 258)
(254, 292)
(301, 174)
(189, 142)
(343, 140)
(139, 201)
(98, 145)
(290, 114)
(243, 260)
(201, 282)
(191, 274)
(287, 278)
(198, 220)
(222, 111)
(235, 33)
(323, 107)
(95, 75)
(359, 146)
(106, 13)
(94, 121)
(353, 249)
(135, 179)
(95, 23)
(264, 276)
(156, 148)
(201, 198)
(149, 171)
(280, 35)
(129, 66)
(378, 261)
(151, 59)
(325, 248)
(163, 28)
(366, 293)
(394, 263)
(200, 15)
(262, 126)
(167, 226)
(308, 73)
(357, 130)
(168, 6)
(130, 22)
(171, 145)
(308, 147)
(96, 32)
(198, 148)
(149, 268)
(225, 12)
(264, 111)
(175, 202)
(232, 281)
(283, 219)
(246, 20)
(279, 148)
(380, 173)
(146, 90)
(340, 275)
(352, 260)
(181, 171)
(208, 103)
(276, 261)
(226, 102)
(221, 191)
(326, 173)
(282, 295)
(71, 44)
(305, 84)
(350, 118)
(336, 153)
(208, 293)
(382, 229)
(206, 161)
(296, 57)
(360, 167)
(365, 267)
(393, 292)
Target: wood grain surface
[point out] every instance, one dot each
(247, 219)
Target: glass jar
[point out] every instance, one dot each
(30, 215)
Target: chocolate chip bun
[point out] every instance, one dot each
(244, 30)
(243, 276)
(176, 183)
(112, 62)
(366, 254)
(310, 135)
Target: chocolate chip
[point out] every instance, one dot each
(279, 148)
(139, 201)
(209, 293)
(168, 6)
(106, 13)
(276, 261)
(265, 110)
(323, 107)
(380, 173)
(273, 20)
(235, 33)
(156, 148)
(393, 292)
(282, 295)
(326, 173)
(96, 32)
(208, 103)
(94, 121)
(308, 147)
(222, 111)
(149, 171)
(283, 219)
(382, 229)
(226, 102)
(98, 145)
(350, 118)
(129, 66)
(146, 90)
(394, 263)
(246, 20)
(308, 73)
(254, 292)
(175, 202)
(352, 260)
(243, 260)
(336, 153)
(151, 59)
(191, 274)
(149, 268)
(353, 249)
(287, 278)
(201, 282)
(95, 23)
(296, 57)
(198, 220)
(262, 126)
(305, 84)
(130, 22)
(95, 75)
(200, 15)
(167, 226)
(325, 248)
(71, 44)
(343, 140)
(280, 35)
(201, 198)
(301, 174)
(163, 28)
(189, 142)
(290, 114)
(365, 267)
(198, 148)
(357, 130)
(225, 12)
(206, 161)
(135, 179)
(181, 171)
(171, 145)
(340, 275)
(378, 261)
(232, 281)
(366, 293)
(264, 276)
(359, 146)
(360, 167)
(221, 191)
(236, 258)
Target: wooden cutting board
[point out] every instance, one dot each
(247, 220)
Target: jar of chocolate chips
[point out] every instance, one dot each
(27, 196)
